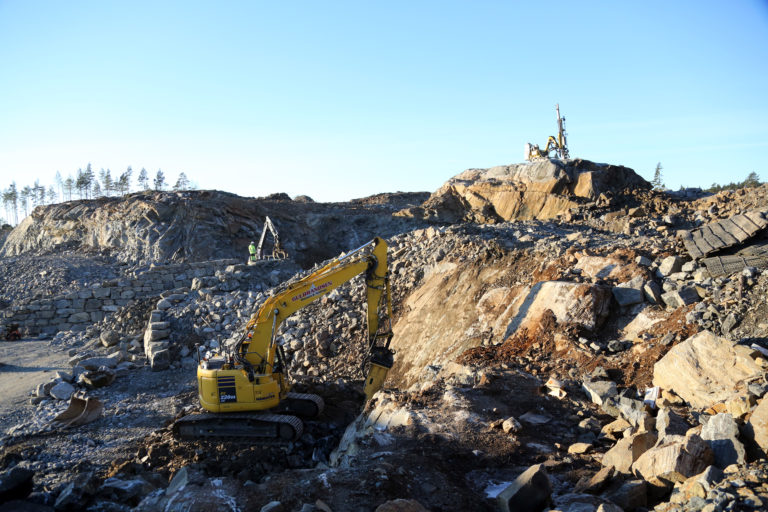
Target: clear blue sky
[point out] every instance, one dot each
(338, 100)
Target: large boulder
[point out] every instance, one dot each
(721, 433)
(530, 492)
(542, 189)
(15, 484)
(756, 429)
(705, 369)
(62, 391)
(627, 450)
(669, 423)
(94, 363)
(110, 338)
(687, 456)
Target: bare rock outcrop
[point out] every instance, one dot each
(541, 189)
(165, 227)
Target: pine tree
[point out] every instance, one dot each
(102, 179)
(108, 185)
(96, 188)
(753, 180)
(33, 195)
(657, 182)
(143, 179)
(8, 202)
(182, 183)
(81, 184)
(69, 185)
(89, 179)
(159, 180)
(14, 198)
(38, 194)
(60, 184)
(124, 182)
(24, 195)
(52, 195)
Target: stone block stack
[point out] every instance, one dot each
(77, 310)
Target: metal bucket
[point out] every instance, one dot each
(80, 411)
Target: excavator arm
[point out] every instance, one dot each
(258, 350)
(277, 251)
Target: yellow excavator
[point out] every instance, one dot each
(277, 252)
(559, 145)
(247, 392)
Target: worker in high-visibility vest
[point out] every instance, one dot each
(252, 252)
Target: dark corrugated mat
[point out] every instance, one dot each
(721, 265)
(723, 234)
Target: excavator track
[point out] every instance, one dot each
(247, 426)
(304, 405)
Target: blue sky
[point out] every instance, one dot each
(338, 100)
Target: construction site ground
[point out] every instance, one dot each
(444, 444)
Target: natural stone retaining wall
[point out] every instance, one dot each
(78, 309)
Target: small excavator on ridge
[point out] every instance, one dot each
(277, 252)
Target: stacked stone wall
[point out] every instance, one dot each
(78, 309)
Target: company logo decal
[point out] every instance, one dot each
(227, 390)
(312, 291)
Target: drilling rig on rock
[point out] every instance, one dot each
(557, 145)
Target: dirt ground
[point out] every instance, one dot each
(23, 365)
(135, 405)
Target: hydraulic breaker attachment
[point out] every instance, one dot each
(381, 361)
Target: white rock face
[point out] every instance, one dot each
(578, 303)
(705, 369)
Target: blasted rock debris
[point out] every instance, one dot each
(560, 345)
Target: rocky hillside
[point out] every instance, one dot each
(173, 227)
(562, 340)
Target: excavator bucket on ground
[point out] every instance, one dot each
(80, 411)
